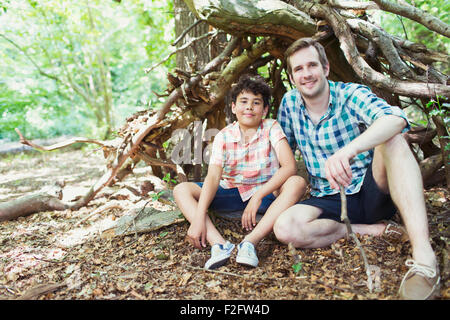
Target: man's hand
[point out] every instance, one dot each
(249, 214)
(196, 234)
(337, 167)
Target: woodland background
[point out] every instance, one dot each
(93, 69)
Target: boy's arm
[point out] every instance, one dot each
(197, 231)
(287, 169)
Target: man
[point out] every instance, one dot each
(376, 167)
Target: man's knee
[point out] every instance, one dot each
(288, 228)
(396, 144)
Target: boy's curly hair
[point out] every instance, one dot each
(253, 83)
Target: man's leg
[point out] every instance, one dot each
(299, 225)
(186, 196)
(396, 171)
(396, 168)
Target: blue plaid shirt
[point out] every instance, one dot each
(352, 108)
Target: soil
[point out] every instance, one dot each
(59, 256)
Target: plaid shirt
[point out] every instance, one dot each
(352, 107)
(247, 166)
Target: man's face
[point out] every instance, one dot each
(249, 109)
(308, 74)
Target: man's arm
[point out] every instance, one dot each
(287, 169)
(337, 167)
(197, 231)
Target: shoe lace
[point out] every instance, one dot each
(245, 249)
(418, 268)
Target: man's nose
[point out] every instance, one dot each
(307, 72)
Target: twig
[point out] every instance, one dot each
(183, 34)
(186, 45)
(101, 209)
(350, 232)
(217, 271)
(41, 289)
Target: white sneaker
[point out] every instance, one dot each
(220, 254)
(247, 254)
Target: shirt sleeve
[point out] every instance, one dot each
(285, 122)
(217, 154)
(369, 107)
(276, 133)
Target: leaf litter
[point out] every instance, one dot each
(52, 255)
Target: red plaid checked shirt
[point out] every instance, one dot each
(247, 166)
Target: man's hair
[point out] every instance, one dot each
(254, 84)
(303, 43)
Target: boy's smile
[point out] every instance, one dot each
(249, 110)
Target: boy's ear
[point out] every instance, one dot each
(266, 110)
(233, 107)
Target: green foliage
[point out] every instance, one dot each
(416, 32)
(61, 60)
(297, 267)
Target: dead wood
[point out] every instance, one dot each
(49, 199)
(142, 220)
(41, 289)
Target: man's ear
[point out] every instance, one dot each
(290, 77)
(326, 70)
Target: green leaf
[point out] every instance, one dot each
(163, 234)
(297, 267)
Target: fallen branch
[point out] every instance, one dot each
(48, 199)
(41, 289)
(65, 143)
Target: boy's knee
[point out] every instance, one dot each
(295, 184)
(180, 189)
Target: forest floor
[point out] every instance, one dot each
(57, 255)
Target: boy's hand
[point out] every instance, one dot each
(249, 214)
(196, 234)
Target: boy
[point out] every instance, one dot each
(252, 168)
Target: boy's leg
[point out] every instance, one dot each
(290, 193)
(186, 196)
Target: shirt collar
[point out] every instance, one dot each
(235, 132)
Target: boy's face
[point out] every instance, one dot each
(308, 74)
(249, 109)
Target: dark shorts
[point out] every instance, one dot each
(368, 206)
(229, 200)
